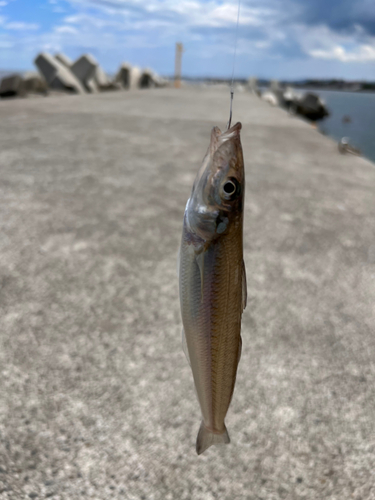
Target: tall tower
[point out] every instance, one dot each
(177, 65)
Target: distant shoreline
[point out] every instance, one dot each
(330, 85)
(335, 89)
(358, 87)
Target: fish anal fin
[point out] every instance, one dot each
(207, 438)
(185, 347)
(239, 350)
(244, 286)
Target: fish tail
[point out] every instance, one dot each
(207, 438)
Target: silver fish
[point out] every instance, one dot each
(212, 280)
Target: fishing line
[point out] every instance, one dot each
(234, 65)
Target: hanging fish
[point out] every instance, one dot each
(212, 280)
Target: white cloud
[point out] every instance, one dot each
(224, 15)
(160, 23)
(66, 29)
(3, 3)
(323, 43)
(86, 21)
(263, 45)
(361, 54)
(190, 13)
(20, 26)
(145, 32)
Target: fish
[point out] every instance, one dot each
(212, 280)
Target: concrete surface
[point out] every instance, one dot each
(97, 399)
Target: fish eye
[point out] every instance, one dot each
(231, 189)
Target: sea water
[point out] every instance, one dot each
(358, 108)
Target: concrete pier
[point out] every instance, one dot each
(97, 398)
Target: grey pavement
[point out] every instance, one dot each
(97, 399)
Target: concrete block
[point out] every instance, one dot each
(146, 80)
(128, 76)
(34, 83)
(312, 107)
(103, 82)
(101, 78)
(252, 84)
(275, 86)
(123, 75)
(11, 86)
(57, 76)
(84, 69)
(159, 81)
(150, 79)
(64, 60)
(47, 66)
(135, 76)
(278, 91)
(91, 86)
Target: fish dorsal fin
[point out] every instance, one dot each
(185, 347)
(244, 286)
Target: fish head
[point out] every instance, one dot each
(217, 198)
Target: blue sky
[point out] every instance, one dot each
(286, 39)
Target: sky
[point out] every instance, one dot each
(283, 39)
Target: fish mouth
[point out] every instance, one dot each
(232, 132)
(218, 137)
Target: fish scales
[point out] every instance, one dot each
(212, 280)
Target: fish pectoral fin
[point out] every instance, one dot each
(200, 261)
(244, 286)
(206, 438)
(185, 347)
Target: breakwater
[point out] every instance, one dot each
(97, 397)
